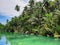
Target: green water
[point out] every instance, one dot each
(33, 40)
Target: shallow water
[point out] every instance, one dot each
(29, 40)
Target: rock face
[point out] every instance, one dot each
(3, 41)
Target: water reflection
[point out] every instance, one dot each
(3, 41)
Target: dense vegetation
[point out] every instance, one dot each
(38, 18)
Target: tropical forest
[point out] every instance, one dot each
(39, 23)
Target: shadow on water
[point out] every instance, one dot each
(3, 41)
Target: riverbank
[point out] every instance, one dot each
(8, 35)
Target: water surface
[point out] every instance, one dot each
(29, 40)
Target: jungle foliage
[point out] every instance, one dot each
(38, 18)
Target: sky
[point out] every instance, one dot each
(4, 18)
(7, 9)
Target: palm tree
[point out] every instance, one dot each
(17, 8)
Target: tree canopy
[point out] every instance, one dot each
(37, 18)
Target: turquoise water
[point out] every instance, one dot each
(30, 40)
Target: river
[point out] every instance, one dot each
(29, 40)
